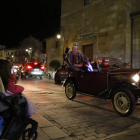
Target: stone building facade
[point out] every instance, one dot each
(14, 55)
(53, 51)
(2, 52)
(102, 27)
(136, 40)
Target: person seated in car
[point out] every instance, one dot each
(94, 64)
(75, 58)
(87, 66)
(104, 64)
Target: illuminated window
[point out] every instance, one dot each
(86, 2)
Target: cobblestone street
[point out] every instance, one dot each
(84, 118)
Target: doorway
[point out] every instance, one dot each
(88, 51)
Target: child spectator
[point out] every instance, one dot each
(9, 82)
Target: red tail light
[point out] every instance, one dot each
(35, 63)
(42, 67)
(29, 67)
(106, 63)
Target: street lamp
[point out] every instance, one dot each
(62, 29)
(58, 36)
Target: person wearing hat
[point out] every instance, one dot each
(76, 57)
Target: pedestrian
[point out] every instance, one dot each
(18, 73)
(9, 81)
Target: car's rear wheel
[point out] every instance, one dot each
(27, 76)
(123, 101)
(57, 79)
(70, 90)
(41, 77)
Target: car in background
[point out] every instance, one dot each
(33, 69)
(15, 69)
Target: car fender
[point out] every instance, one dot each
(70, 79)
(133, 88)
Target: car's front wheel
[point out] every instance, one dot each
(123, 101)
(70, 90)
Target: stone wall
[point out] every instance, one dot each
(108, 21)
(53, 53)
(136, 42)
(104, 23)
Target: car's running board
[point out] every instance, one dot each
(97, 96)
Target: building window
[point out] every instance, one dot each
(1, 53)
(57, 44)
(86, 2)
(11, 53)
(15, 53)
(8, 53)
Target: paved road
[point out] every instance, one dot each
(84, 118)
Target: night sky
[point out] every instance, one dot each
(20, 19)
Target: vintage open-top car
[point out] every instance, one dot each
(120, 85)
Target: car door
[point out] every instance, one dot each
(91, 82)
(63, 73)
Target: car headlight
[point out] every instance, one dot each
(136, 77)
(15, 70)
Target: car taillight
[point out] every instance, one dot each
(42, 67)
(106, 64)
(29, 67)
(129, 64)
(35, 63)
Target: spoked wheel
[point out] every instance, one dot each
(26, 133)
(123, 101)
(70, 90)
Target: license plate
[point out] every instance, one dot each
(36, 69)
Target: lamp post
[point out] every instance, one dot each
(62, 29)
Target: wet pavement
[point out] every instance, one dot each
(84, 118)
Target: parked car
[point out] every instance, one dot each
(33, 69)
(114, 82)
